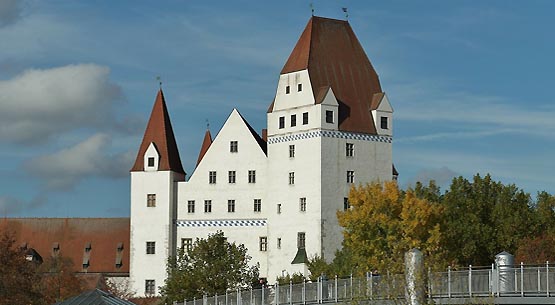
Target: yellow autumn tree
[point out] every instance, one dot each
(384, 222)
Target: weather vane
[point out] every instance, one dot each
(159, 79)
(207, 125)
(346, 14)
(312, 8)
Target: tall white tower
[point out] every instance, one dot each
(329, 128)
(154, 178)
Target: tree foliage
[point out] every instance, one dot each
(213, 266)
(58, 279)
(20, 283)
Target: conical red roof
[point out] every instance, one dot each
(205, 145)
(331, 52)
(159, 131)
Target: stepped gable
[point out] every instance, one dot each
(159, 131)
(334, 57)
(205, 145)
(70, 236)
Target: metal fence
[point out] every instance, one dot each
(521, 280)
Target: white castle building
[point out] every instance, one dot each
(328, 128)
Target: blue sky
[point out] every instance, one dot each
(471, 83)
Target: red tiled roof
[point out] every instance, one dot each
(331, 52)
(205, 145)
(159, 131)
(72, 235)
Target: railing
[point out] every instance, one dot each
(470, 282)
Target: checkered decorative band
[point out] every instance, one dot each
(330, 134)
(222, 223)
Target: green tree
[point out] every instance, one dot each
(213, 266)
(20, 283)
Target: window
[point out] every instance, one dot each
(263, 243)
(302, 204)
(300, 87)
(349, 149)
(212, 177)
(346, 204)
(383, 122)
(231, 206)
(233, 147)
(207, 206)
(293, 120)
(292, 178)
(150, 247)
(287, 90)
(150, 287)
(279, 243)
(350, 176)
(187, 244)
(300, 240)
(150, 161)
(190, 206)
(329, 116)
(305, 118)
(291, 151)
(151, 200)
(281, 122)
(258, 205)
(231, 177)
(279, 208)
(252, 176)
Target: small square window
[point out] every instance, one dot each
(302, 204)
(293, 120)
(350, 176)
(190, 206)
(150, 161)
(187, 244)
(300, 87)
(150, 287)
(231, 206)
(383, 121)
(231, 177)
(212, 177)
(292, 178)
(207, 206)
(150, 247)
(291, 151)
(305, 118)
(279, 243)
(349, 149)
(263, 243)
(329, 116)
(287, 90)
(151, 200)
(252, 176)
(258, 205)
(301, 237)
(233, 147)
(346, 204)
(281, 122)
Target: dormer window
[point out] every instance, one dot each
(299, 87)
(287, 90)
(383, 122)
(329, 116)
(151, 162)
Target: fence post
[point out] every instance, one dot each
(539, 280)
(276, 287)
(470, 280)
(238, 297)
(225, 298)
(449, 281)
(371, 284)
(262, 301)
(304, 292)
(216, 299)
(547, 277)
(194, 301)
(351, 286)
(521, 279)
(291, 291)
(335, 292)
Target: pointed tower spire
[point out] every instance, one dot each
(159, 131)
(205, 145)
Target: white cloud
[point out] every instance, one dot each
(442, 176)
(65, 168)
(10, 11)
(38, 104)
(10, 205)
